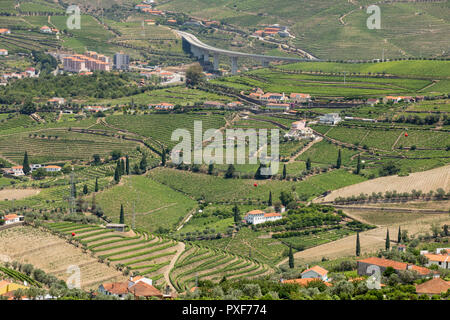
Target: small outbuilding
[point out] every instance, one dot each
(120, 227)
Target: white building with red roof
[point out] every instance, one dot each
(316, 272)
(259, 216)
(12, 218)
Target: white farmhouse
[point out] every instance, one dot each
(12, 218)
(315, 272)
(259, 216)
(52, 168)
(17, 171)
(440, 258)
(330, 118)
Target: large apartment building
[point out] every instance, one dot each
(90, 61)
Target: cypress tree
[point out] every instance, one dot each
(388, 243)
(143, 164)
(74, 190)
(358, 165)
(399, 238)
(122, 215)
(117, 174)
(127, 164)
(308, 164)
(358, 246)
(230, 172)
(26, 165)
(121, 166)
(339, 160)
(237, 216)
(93, 205)
(85, 189)
(163, 157)
(96, 185)
(291, 258)
(284, 171)
(270, 199)
(210, 168)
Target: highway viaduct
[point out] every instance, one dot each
(201, 50)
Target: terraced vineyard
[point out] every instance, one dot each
(139, 251)
(199, 263)
(159, 127)
(67, 146)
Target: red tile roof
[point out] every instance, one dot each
(255, 212)
(385, 263)
(318, 270)
(116, 287)
(438, 257)
(272, 214)
(433, 286)
(142, 289)
(395, 264)
(11, 216)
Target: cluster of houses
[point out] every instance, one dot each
(278, 101)
(273, 30)
(28, 73)
(259, 216)
(95, 108)
(299, 131)
(366, 267)
(165, 76)
(138, 287)
(147, 7)
(397, 99)
(207, 104)
(48, 30)
(17, 171)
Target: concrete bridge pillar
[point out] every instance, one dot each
(216, 61)
(234, 65)
(196, 51)
(206, 56)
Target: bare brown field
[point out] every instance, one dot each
(412, 205)
(16, 194)
(54, 255)
(426, 181)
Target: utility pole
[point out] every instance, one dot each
(72, 193)
(134, 215)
